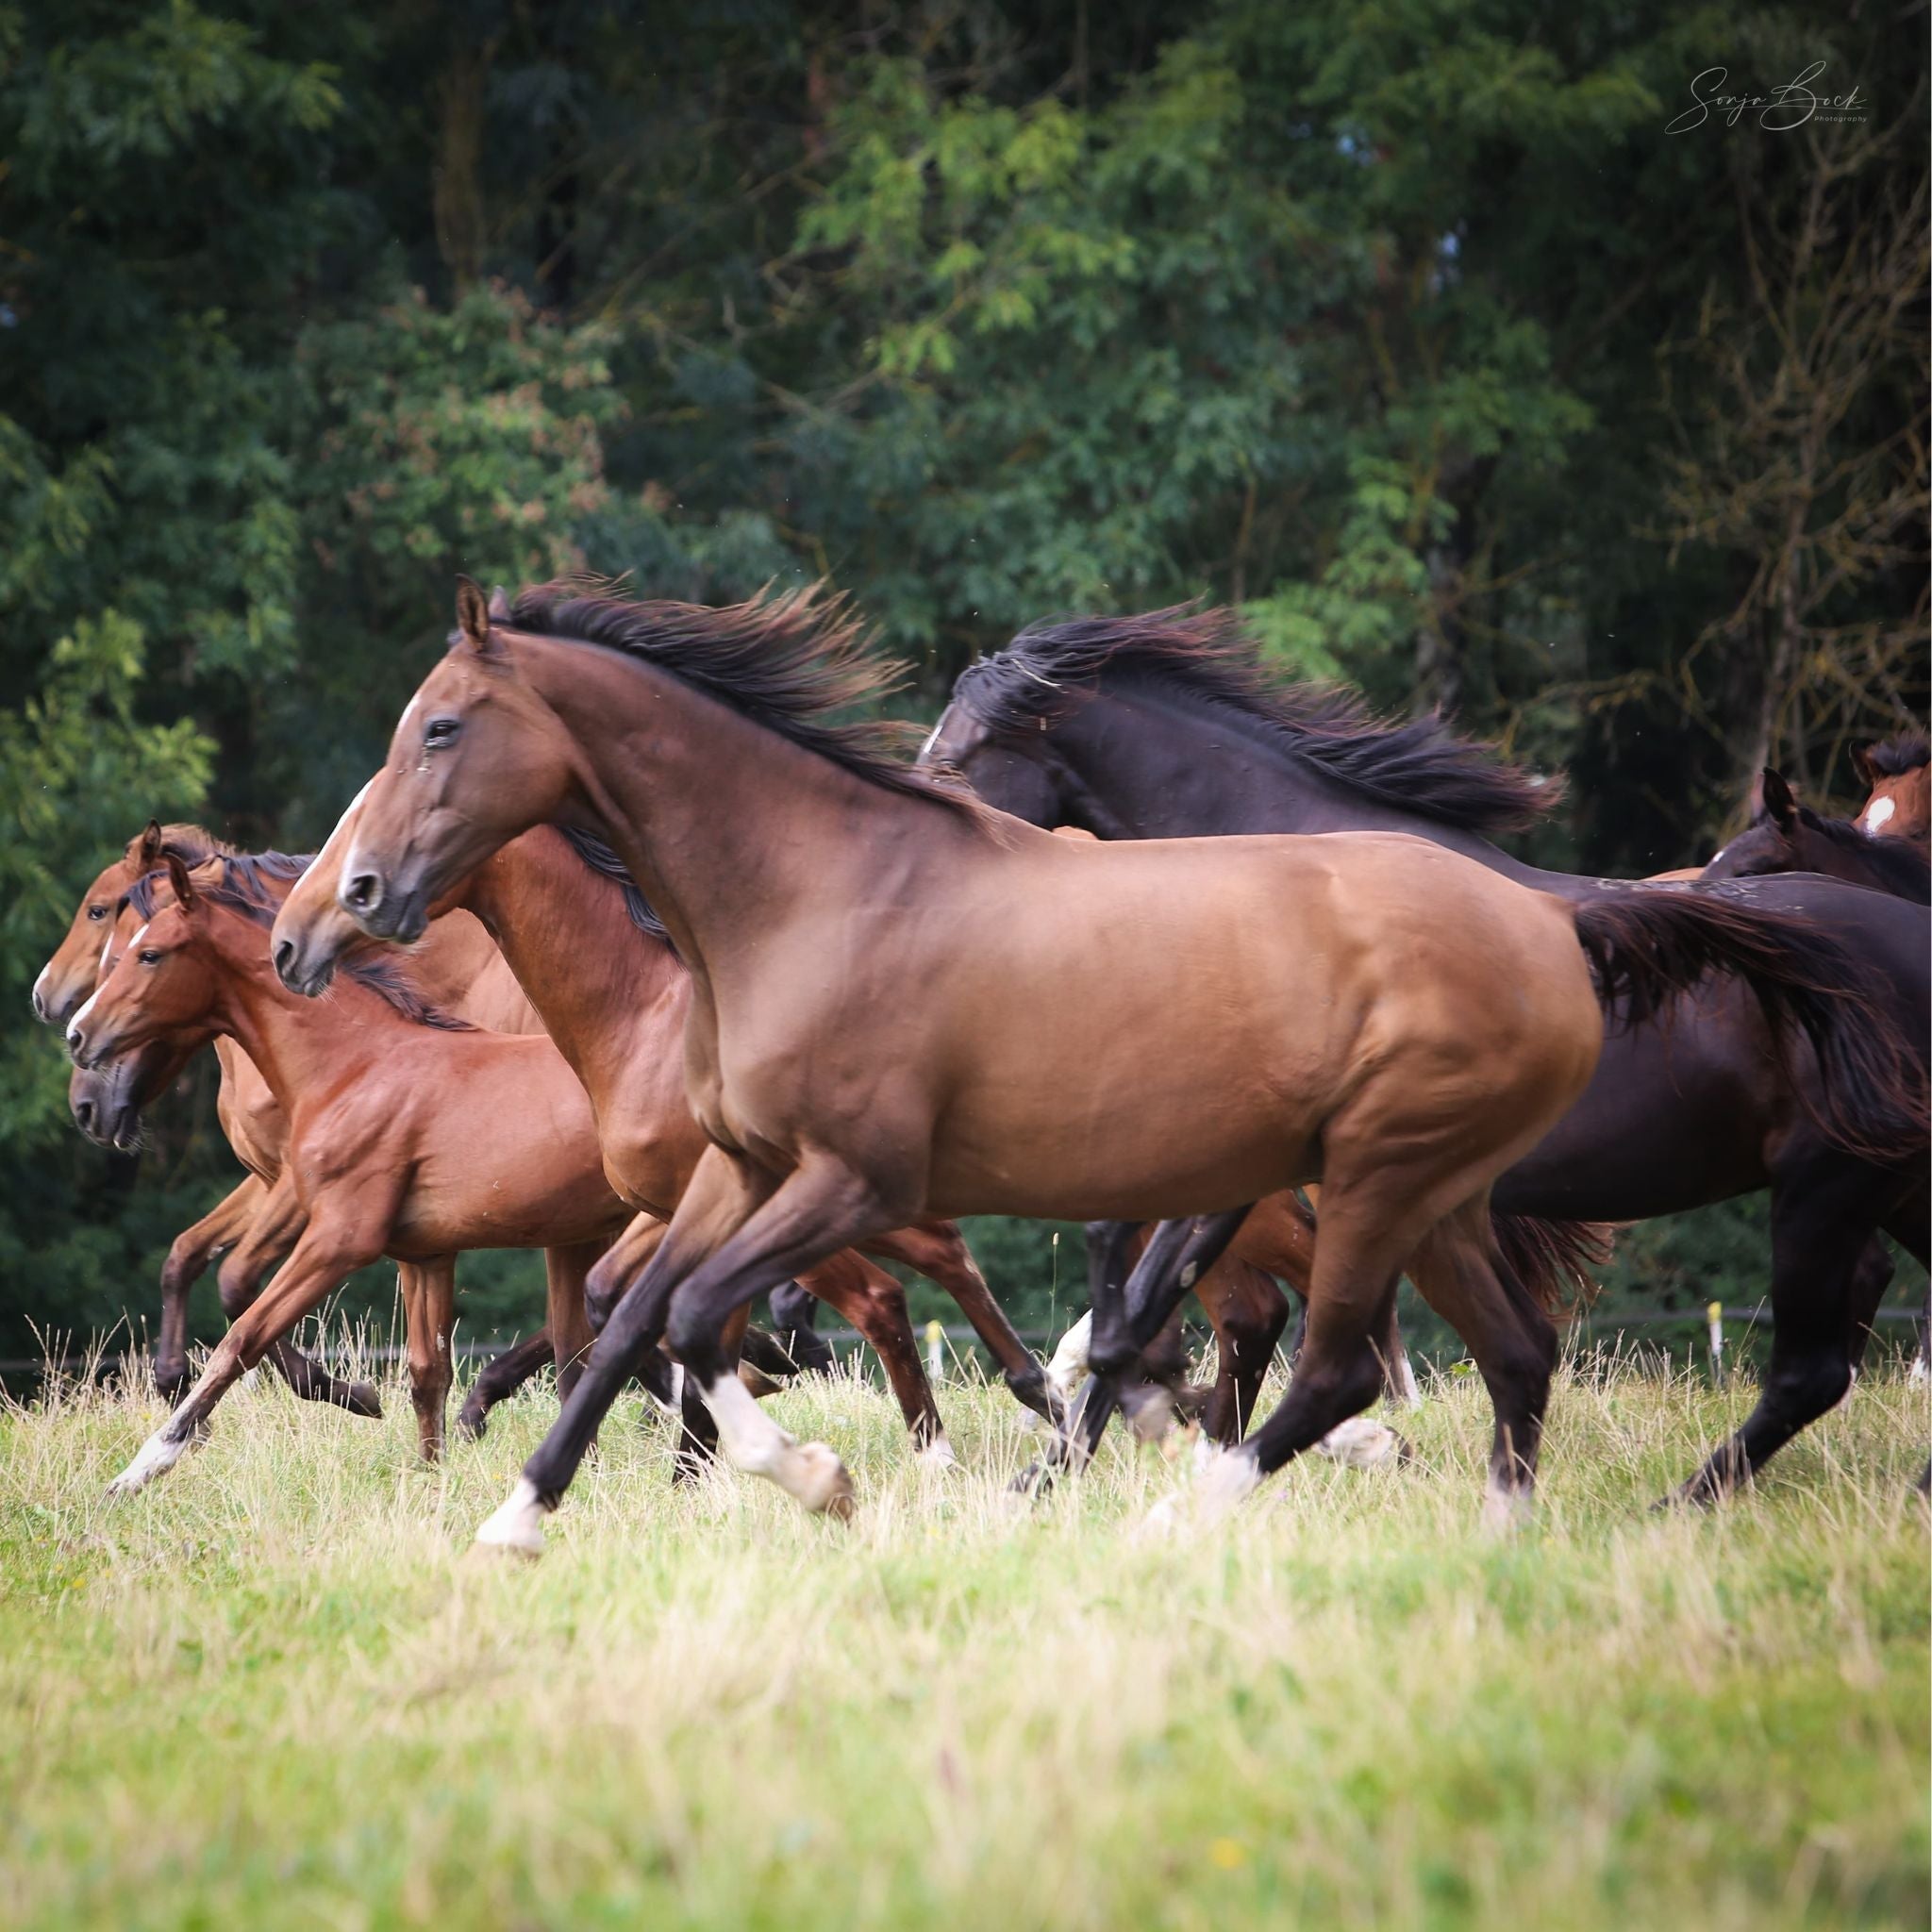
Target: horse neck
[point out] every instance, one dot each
(292, 1041)
(1179, 773)
(595, 979)
(730, 829)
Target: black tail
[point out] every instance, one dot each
(1555, 1260)
(1647, 947)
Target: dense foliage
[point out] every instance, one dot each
(1410, 327)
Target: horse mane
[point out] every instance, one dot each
(605, 864)
(1418, 763)
(786, 662)
(1904, 865)
(1892, 757)
(240, 887)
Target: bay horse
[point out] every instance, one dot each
(614, 996)
(1167, 725)
(619, 1017)
(904, 1004)
(255, 1225)
(1900, 785)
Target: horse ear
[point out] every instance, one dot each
(1780, 805)
(472, 615)
(183, 885)
(1861, 763)
(500, 612)
(148, 855)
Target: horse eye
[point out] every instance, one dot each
(441, 730)
(149, 956)
(98, 912)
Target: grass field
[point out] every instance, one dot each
(275, 1690)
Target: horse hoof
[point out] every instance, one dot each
(937, 1458)
(1036, 1479)
(473, 1428)
(518, 1525)
(1229, 1480)
(824, 1485)
(154, 1458)
(1507, 1511)
(1361, 1443)
(360, 1398)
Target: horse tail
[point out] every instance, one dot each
(1646, 948)
(1556, 1261)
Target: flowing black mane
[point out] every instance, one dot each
(1894, 756)
(240, 887)
(606, 863)
(786, 662)
(1903, 868)
(1418, 765)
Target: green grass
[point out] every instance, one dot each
(275, 1690)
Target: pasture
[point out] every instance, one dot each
(280, 1690)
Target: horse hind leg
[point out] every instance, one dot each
(875, 1304)
(1249, 1313)
(429, 1294)
(1821, 1226)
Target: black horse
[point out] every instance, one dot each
(1167, 725)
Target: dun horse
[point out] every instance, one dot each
(1165, 726)
(903, 1006)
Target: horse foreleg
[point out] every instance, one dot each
(875, 1304)
(189, 1255)
(502, 1376)
(718, 1199)
(271, 1238)
(937, 1250)
(328, 1250)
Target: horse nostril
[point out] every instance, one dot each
(285, 960)
(40, 1007)
(84, 1115)
(362, 893)
(75, 1040)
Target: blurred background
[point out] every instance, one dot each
(1429, 334)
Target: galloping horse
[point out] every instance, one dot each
(903, 1005)
(613, 996)
(1897, 773)
(1166, 726)
(254, 1225)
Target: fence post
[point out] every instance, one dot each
(934, 1349)
(1714, 1316)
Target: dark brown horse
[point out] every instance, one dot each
(903, 1006)
(1785, 835)
(1166, 726)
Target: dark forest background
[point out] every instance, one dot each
(1410, 327)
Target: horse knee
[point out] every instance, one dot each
(236, 1283)
(1806, 1387)
(604, 1289)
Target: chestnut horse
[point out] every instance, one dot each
(903, 1005)
(255, 1225)
(1896, 772)
(1167, 725)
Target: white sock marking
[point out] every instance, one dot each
(518, 1525)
